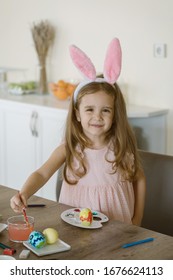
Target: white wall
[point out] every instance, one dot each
(91, 25)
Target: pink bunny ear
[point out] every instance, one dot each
(112, 64)
(82, 62)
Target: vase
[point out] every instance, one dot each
(42, 83)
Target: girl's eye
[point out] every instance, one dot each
(89, 110)
(106, 110)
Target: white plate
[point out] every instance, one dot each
(69, 216)
(20, 91)
(57, 247)
(2, 227)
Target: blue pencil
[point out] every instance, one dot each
(137, 242)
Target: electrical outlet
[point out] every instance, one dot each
(160, 50)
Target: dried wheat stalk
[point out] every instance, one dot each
(43, 35)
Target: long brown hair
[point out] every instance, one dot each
(121, 134)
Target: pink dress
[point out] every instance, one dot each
(99, 190)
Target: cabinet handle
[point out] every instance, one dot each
(33, 124)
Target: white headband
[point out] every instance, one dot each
(84, 83)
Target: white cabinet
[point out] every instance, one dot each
(28, 136)
(150, 133)
(1, 146)
(150, 126)
(50, 133)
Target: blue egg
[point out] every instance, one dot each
(37, 239)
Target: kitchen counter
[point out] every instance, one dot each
(136, 111)
(48, 100)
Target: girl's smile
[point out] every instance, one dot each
(96, 115)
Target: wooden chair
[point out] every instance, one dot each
(158, 213)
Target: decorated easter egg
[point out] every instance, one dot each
(51, 235)
(86, 217)
(37, 239)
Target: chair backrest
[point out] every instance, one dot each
(158, 213)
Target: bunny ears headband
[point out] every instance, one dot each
(111, 69)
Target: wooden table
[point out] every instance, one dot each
(97, 244)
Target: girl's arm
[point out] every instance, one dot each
(139, 191)
(38, 178)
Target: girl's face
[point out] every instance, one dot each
(96, 113)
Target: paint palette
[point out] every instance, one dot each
(71, 216)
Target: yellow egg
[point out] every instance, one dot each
(86, 216)
(51, 235)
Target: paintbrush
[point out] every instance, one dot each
(24, 214)
(25, 217)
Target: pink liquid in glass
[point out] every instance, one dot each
(20, 231)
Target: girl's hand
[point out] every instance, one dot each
(18, 202)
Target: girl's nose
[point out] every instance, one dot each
(98, 115)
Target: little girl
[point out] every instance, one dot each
(102, 170)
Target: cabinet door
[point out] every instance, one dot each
(150, 133)
(2, 179)
(29, 134)
(19, 146)
(50, 133)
